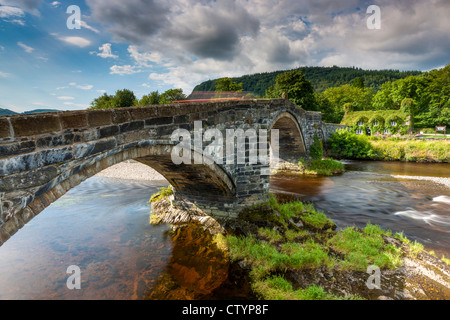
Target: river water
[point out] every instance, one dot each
(397, 196)
(102, 226)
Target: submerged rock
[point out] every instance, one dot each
(199, 263)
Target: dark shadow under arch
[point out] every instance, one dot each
(291, 142)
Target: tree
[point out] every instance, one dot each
(122, 99)
(150, 99)
(324, 105)
(299, 90)
(358, 83)
(434, 105)
(359, 98)
(172, 95)
(226, 84)
(102, 102)
(383, 99)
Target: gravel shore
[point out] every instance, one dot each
(440, 180)
(131, 170)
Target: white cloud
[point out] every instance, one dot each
(77, 41)
(55, 4)
(124, 70)
(84, 24)
(4, 74)
(74, 84)
(78, 105)
(144, 59)
(105, 51)
(8, 12)
(19, 22)
(27, 49)
(85, 87)
(65, 98)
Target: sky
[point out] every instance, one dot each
(149, 45)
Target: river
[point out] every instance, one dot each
(102, 226)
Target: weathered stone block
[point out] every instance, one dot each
(131, 126)
(159, 121)
(74, 120)
(108, 131)
(17, 148)
(120, 116)
(35, 124)
(144, 112)
(5, 130)
(28, 179)
(34, 160)
(97, 118)
(55, 141)
(86, 149)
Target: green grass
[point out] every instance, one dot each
(278, 288)
(163, 192)
(323, 167)
(317, 220)
(280, 247)
(326, 167)
(363, 248)
(270, 235)
(305, 212)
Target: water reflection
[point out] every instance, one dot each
(102, 226)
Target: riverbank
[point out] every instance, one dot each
(347, 145)
(292, 251)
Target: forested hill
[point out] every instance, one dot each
(320, 77)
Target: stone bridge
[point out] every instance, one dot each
(42, 156)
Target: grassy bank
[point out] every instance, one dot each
(294, 238)
(325, 167)
(344, 144)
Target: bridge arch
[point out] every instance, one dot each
(196, 182)
(291, 142)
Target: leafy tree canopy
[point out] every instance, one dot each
(226, 84)
(294, 84)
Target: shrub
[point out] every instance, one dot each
(316, 150)
(344, 144)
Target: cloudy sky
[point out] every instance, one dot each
(147, 45)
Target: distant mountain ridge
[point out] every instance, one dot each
(7, 112)
(320, 77)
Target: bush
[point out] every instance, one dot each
(344, 144)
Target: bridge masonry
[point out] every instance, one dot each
(42, 156)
